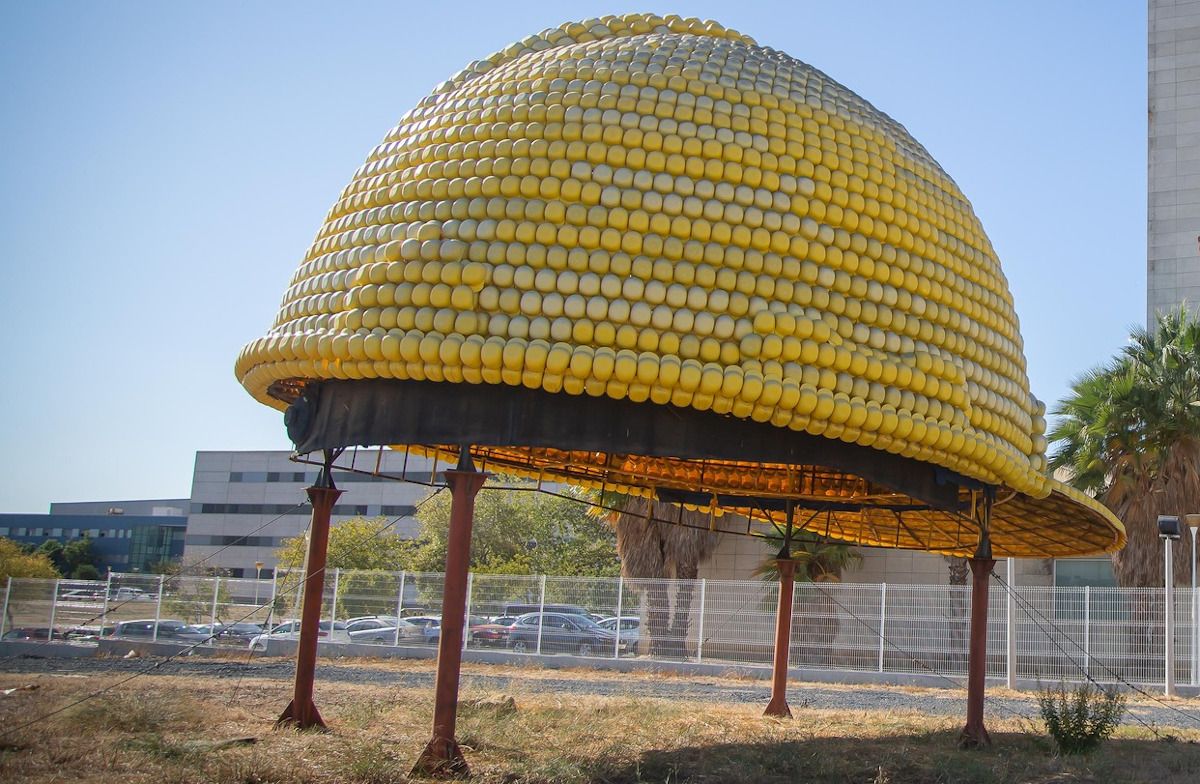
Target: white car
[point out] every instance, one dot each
(327, 631)
(630, 630)
(126, 593)
(383, 629)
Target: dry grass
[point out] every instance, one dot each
(157, 729)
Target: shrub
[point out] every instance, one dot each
(1079, 720)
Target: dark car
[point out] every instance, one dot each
(561, 609)
(168, 631)
(576, 634)
(231, 633)
(28, 633)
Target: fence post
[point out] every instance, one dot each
(1010, 619)
(467, 621)
(274, 589)
(882, 621)
(617, 639)
(1087, 630)
(700, 625)
(104, 607)
(541, 612)
(337, 577)
(158, 608)
(4, 614)
(216, 600)
(53, 611)
(399, 608)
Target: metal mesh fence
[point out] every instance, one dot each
(1109, 634)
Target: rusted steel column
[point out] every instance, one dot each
(975, 734)
(778, 705)
(301, 712)
(442, 756)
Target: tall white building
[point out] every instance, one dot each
(1173, 228)
(244, 504)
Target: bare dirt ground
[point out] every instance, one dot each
(99, 720)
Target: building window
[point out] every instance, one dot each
(234, 541)
(1080, 572)
(3, 532)
(20, 532)
(56, 532)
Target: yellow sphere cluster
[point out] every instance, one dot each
(657, 209)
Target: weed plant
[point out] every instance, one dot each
(1080, 719)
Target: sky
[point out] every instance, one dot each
(164, 166)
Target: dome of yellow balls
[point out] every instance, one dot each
(658, 210)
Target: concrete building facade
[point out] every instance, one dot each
(1173, 227)
(245, 504)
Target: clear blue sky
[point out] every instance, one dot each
(163, 166)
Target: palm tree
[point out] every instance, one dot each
(1129, 433)
(651, 548)
(818, 560)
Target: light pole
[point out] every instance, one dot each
(1193, 522)
(258, 565)
(1168, 531)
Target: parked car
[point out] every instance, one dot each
(430, 625)
(493, 634)
(83, 633)
(571, 633)
(630, 630)
(127, 593)
(327, 631)
(382, 629)
(82, 595)
(231, 633)
(518, 609)
(28, 633)
(168, 631)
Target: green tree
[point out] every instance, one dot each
(368, 549)
(76, 553)
(818, 560)
(85, 572)
(16, 563)
(189, 597)
(1129, 433)
(357, 543)
(53, 550)
(523, 532)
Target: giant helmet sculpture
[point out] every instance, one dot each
(645, 254)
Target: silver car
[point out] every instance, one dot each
(384, 630)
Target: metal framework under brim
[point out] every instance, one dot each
(698, 459)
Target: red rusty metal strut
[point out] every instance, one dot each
(975, 734)
(778, 706)
(301, 712)
(442, 756)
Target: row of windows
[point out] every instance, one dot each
(225, 541)
(69, 533)
(339, 477)
(345, 510)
